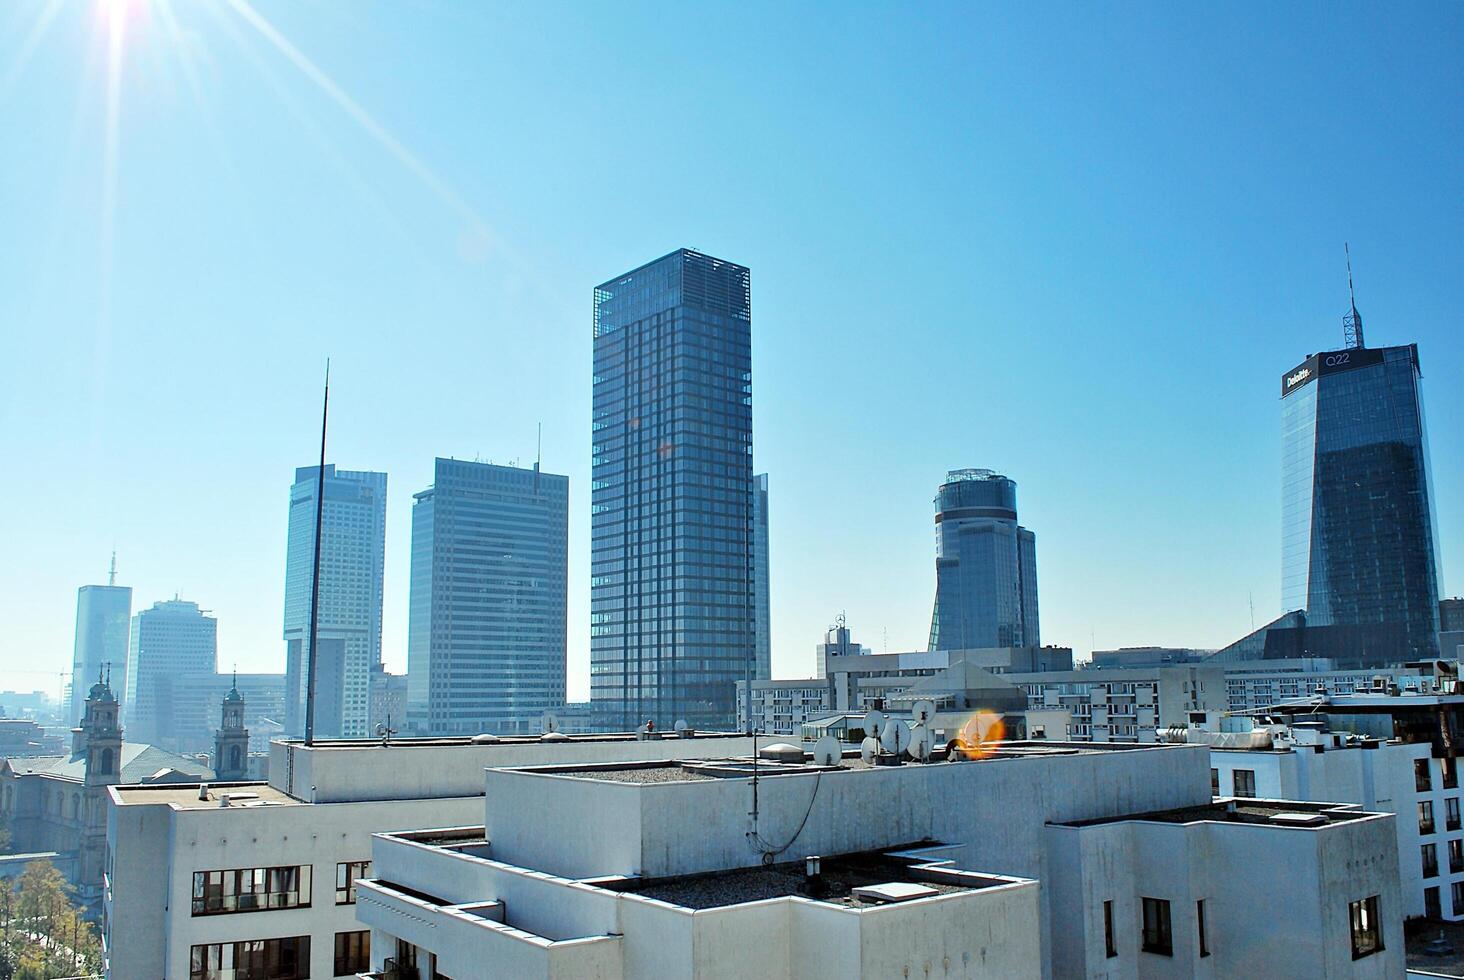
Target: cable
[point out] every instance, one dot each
(768, 850)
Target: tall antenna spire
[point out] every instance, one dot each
(315, 573)
(112, 575)
(1352, 322)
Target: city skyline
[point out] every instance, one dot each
(1205, 255)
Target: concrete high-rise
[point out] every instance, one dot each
(352, 556)
(985, 566)
(102, 615)
(1359, 546)
(489, 600)
(172, 638)
(672, 595)
(760, 577)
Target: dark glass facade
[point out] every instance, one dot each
(985, 566)
(1359, 548)
(672, 598)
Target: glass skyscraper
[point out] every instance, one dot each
(352, 556)
(985, 566)
(102, 614)
(1359, 549)
(489, 600)
(672, 596)
(760, 577)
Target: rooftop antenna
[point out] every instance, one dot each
(315, 571)
(1351, 322)
(538, 456)
(112, 574)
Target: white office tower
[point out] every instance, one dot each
(1038, 860)
(352, 549)
(169, 640)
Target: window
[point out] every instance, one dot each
(287, 958)
(1157, 935)
(1367, 935)
(346, 875)
(1425, 817)
(1110, 948)
(1431, 909)
(1456, 895)
(1421, 781)
(1214, 782)
(1451, 773)
(1451, 813)
(250, 889)
(1430, 860)
(1245, 782)
(352, 953)
(1456, 856)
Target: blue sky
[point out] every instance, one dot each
(1075, 245)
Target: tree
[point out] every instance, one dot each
(42, 933)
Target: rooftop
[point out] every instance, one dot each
(838, 878)
(184, 796)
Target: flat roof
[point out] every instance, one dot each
(839, 876)
(439, 741)
(691, 770)
(184, 796)
(1244, 811)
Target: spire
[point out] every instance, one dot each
(112, 574)
(1352, 322)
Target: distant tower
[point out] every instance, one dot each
(101, 742)
(231, 741)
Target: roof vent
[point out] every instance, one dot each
(894, 891)
(1298, 819)
(487, 738)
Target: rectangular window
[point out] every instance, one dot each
(352, 953)
(1200, 918)
(1214, 782)
(1421, 781)
(1157, 935)
(1109, 947)
(1451, 813)
(1431, 909)
(1245, 782)
(1451, 773)
(1456, 895)
(1430, 853)
(1425, 817)
(1456, 856)
(1367, 934)
(251, 889)
(287, 958)
(346, 875)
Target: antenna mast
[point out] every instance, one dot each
(1351, 322)
(112, 575)
(315, 573)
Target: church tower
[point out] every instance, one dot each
(101, 741)
(231, 740)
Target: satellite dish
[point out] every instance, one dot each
(923, 711)
(896, 737)
(551, 722)
(681, 725)
(828, 751)
(874, 722)
(869, 748)
(921, 743)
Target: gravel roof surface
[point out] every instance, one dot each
(756, 884)
(657, 774)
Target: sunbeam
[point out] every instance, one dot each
(377, 132)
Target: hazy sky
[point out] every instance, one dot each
(1076, 247)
